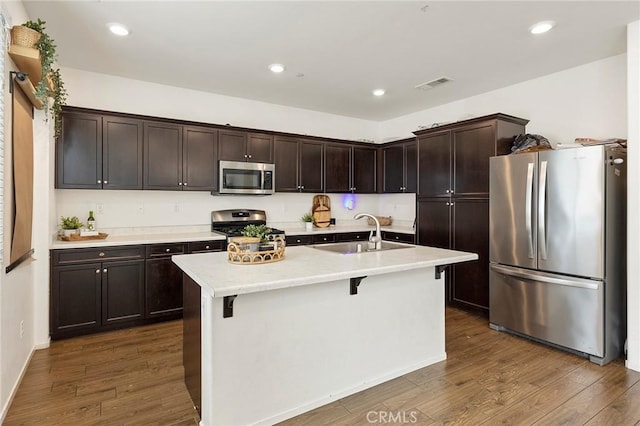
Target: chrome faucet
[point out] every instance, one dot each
(377, 240)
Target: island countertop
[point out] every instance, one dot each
(306, 265)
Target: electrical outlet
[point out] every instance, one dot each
(99, 208)
(21, 329)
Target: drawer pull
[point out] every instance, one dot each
(101, 254)
(167, 250)
(97, 271)
(207, 247)
(104, 270)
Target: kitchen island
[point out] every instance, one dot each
(263, 343)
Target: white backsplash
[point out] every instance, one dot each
(142, 209)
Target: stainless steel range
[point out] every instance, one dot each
(231, 222)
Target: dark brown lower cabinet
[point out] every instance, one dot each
(89, 297)
(163, 281)
(104, 288)
(191, 340)
(75, 299)
(122, 291)
(459, 224)
(469, 287)
(398, 237)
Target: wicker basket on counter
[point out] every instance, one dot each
(246, 251)
(384, 220)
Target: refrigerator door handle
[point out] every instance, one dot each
(545, 279)
(542, 207)
(527, 208)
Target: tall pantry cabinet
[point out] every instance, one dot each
(453, 197)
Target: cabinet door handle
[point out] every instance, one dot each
(99, 181)
(207, 247)
(245, 156)
(301, 186)
(106, 182)
(101, 254)
(185, 184)
(97, 271)
(448, 204)
(451, 190)
(179, 183)
(104, 270)
(447, 191)
(250, 156)
(167, 250)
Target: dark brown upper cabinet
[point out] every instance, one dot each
(350, 168)
(163, 156)
(98, 151)
(242, 146)
(180, 158)
(400, 165)
(337, 168)
(199, 162)
(299, 165)
(363, 170)
(453, 160)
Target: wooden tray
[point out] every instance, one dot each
(321, 210)
(78, 237)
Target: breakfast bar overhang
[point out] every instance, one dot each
(264, 343)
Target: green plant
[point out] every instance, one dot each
(48, 56)
(70, 222)
(259, 231)
(308, 217)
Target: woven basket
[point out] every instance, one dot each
(23, 36)
(384, 220)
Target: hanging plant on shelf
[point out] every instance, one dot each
(48, 56)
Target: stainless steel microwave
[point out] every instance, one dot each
(237, 177)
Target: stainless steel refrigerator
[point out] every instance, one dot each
(558, 248)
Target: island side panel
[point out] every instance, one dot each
(290, 350)
(191, 339)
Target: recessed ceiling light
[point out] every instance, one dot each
(541, 27)
(277, 68)
(378, 92)
(118, 29)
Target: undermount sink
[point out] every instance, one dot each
(359, 247)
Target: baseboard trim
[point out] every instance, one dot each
(43, 345)
(16, 385)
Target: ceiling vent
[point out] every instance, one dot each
(433, 83)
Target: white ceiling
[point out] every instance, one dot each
(335, 52)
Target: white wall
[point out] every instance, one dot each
(101, 91)
(134, 209)
(585, 101)
(24, 292)
(633, 191)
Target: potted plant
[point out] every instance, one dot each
(70, 225)
(258, 235)
(48, 56)
(308, 220)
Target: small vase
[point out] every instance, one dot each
(308, 226)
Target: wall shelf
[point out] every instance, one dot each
(27, 59)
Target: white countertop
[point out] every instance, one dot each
(134, 239)
(155, 237)
(305, 265)
(300, 229)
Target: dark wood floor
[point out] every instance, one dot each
(135, 377)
